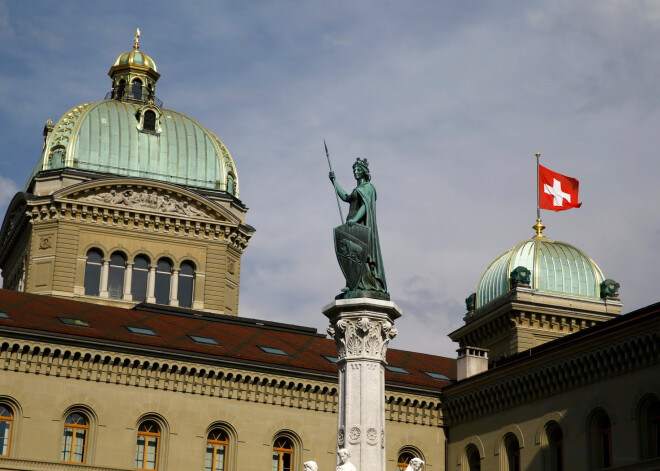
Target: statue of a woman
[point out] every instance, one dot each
(360, 259)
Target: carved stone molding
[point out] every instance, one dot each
(362, 337)
(145, 200)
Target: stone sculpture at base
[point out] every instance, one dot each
(345, 465)
(415, 464)
(310, 466)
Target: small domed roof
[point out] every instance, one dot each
(136, 58)
(555, 267)
(105, 137)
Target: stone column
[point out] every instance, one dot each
(362, 329)
(105, 269)
(151, 284)
(174, 288)
(128, 281)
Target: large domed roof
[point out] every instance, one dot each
(106, 137)
(555, 267)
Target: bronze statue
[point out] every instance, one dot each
(356, 242)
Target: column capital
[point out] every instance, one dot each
(362, 328)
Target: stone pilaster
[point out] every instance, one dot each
(362, 329)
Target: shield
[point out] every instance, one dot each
(352, 248)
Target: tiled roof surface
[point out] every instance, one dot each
(237, 338)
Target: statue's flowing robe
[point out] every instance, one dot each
(373, 277)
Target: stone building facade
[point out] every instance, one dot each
(121, 346)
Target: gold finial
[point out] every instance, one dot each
(50, 123)
(137, 38)
(538, 154)
(538, 227)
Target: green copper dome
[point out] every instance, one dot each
(137, 139)
(136, 58)
(555, 267)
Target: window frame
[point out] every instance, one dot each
(282, 451)
(147, 434)
(185, 276)
(215, 443)
(100, 272)
(11, 420)
(599, 433)
(75, 428)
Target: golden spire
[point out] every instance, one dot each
(538, 227)
(137, 38)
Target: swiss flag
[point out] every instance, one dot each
(557, 192)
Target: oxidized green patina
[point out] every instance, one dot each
(356, 243)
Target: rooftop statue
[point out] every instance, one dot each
(356, 242)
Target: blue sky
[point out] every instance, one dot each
(449, 101)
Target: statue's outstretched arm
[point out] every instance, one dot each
(340, 191)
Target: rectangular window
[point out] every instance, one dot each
(274, 351)
(396, 369)
(72, 321)
(141, 330)
(437, 376)
(206, 340)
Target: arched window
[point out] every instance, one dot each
(654, 419)
(120, 89)
(116, 275)
(163, 279)
(216, 450)
(186, 284)
(93, 272)
(74, 444)
(473, 458)
(649, 427)
(600, 440)
(403, 460)
(149, 123)
(512, 453)
(555, 455)
(136, 90)
(148, 440)
(6, 421)
(140, 277)
(282, 454)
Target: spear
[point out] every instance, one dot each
(327, 154)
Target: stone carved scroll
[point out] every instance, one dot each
(146, 201)
(362, 337)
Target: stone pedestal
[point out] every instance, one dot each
(362, 328)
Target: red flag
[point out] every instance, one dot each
(557, 192)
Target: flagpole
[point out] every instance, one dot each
(538, 227)
(538, 191)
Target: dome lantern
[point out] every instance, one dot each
(134, 76)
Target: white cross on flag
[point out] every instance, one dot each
(557, 192)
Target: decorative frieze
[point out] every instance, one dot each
(80, 364)
(572, 372)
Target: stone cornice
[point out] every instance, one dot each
(560, 369)
(95, 213)
(184, 373)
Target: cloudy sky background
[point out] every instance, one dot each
(448, 100)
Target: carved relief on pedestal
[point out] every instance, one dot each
(362, 337)
(372, 436)
(146, 201)
(354, 434)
